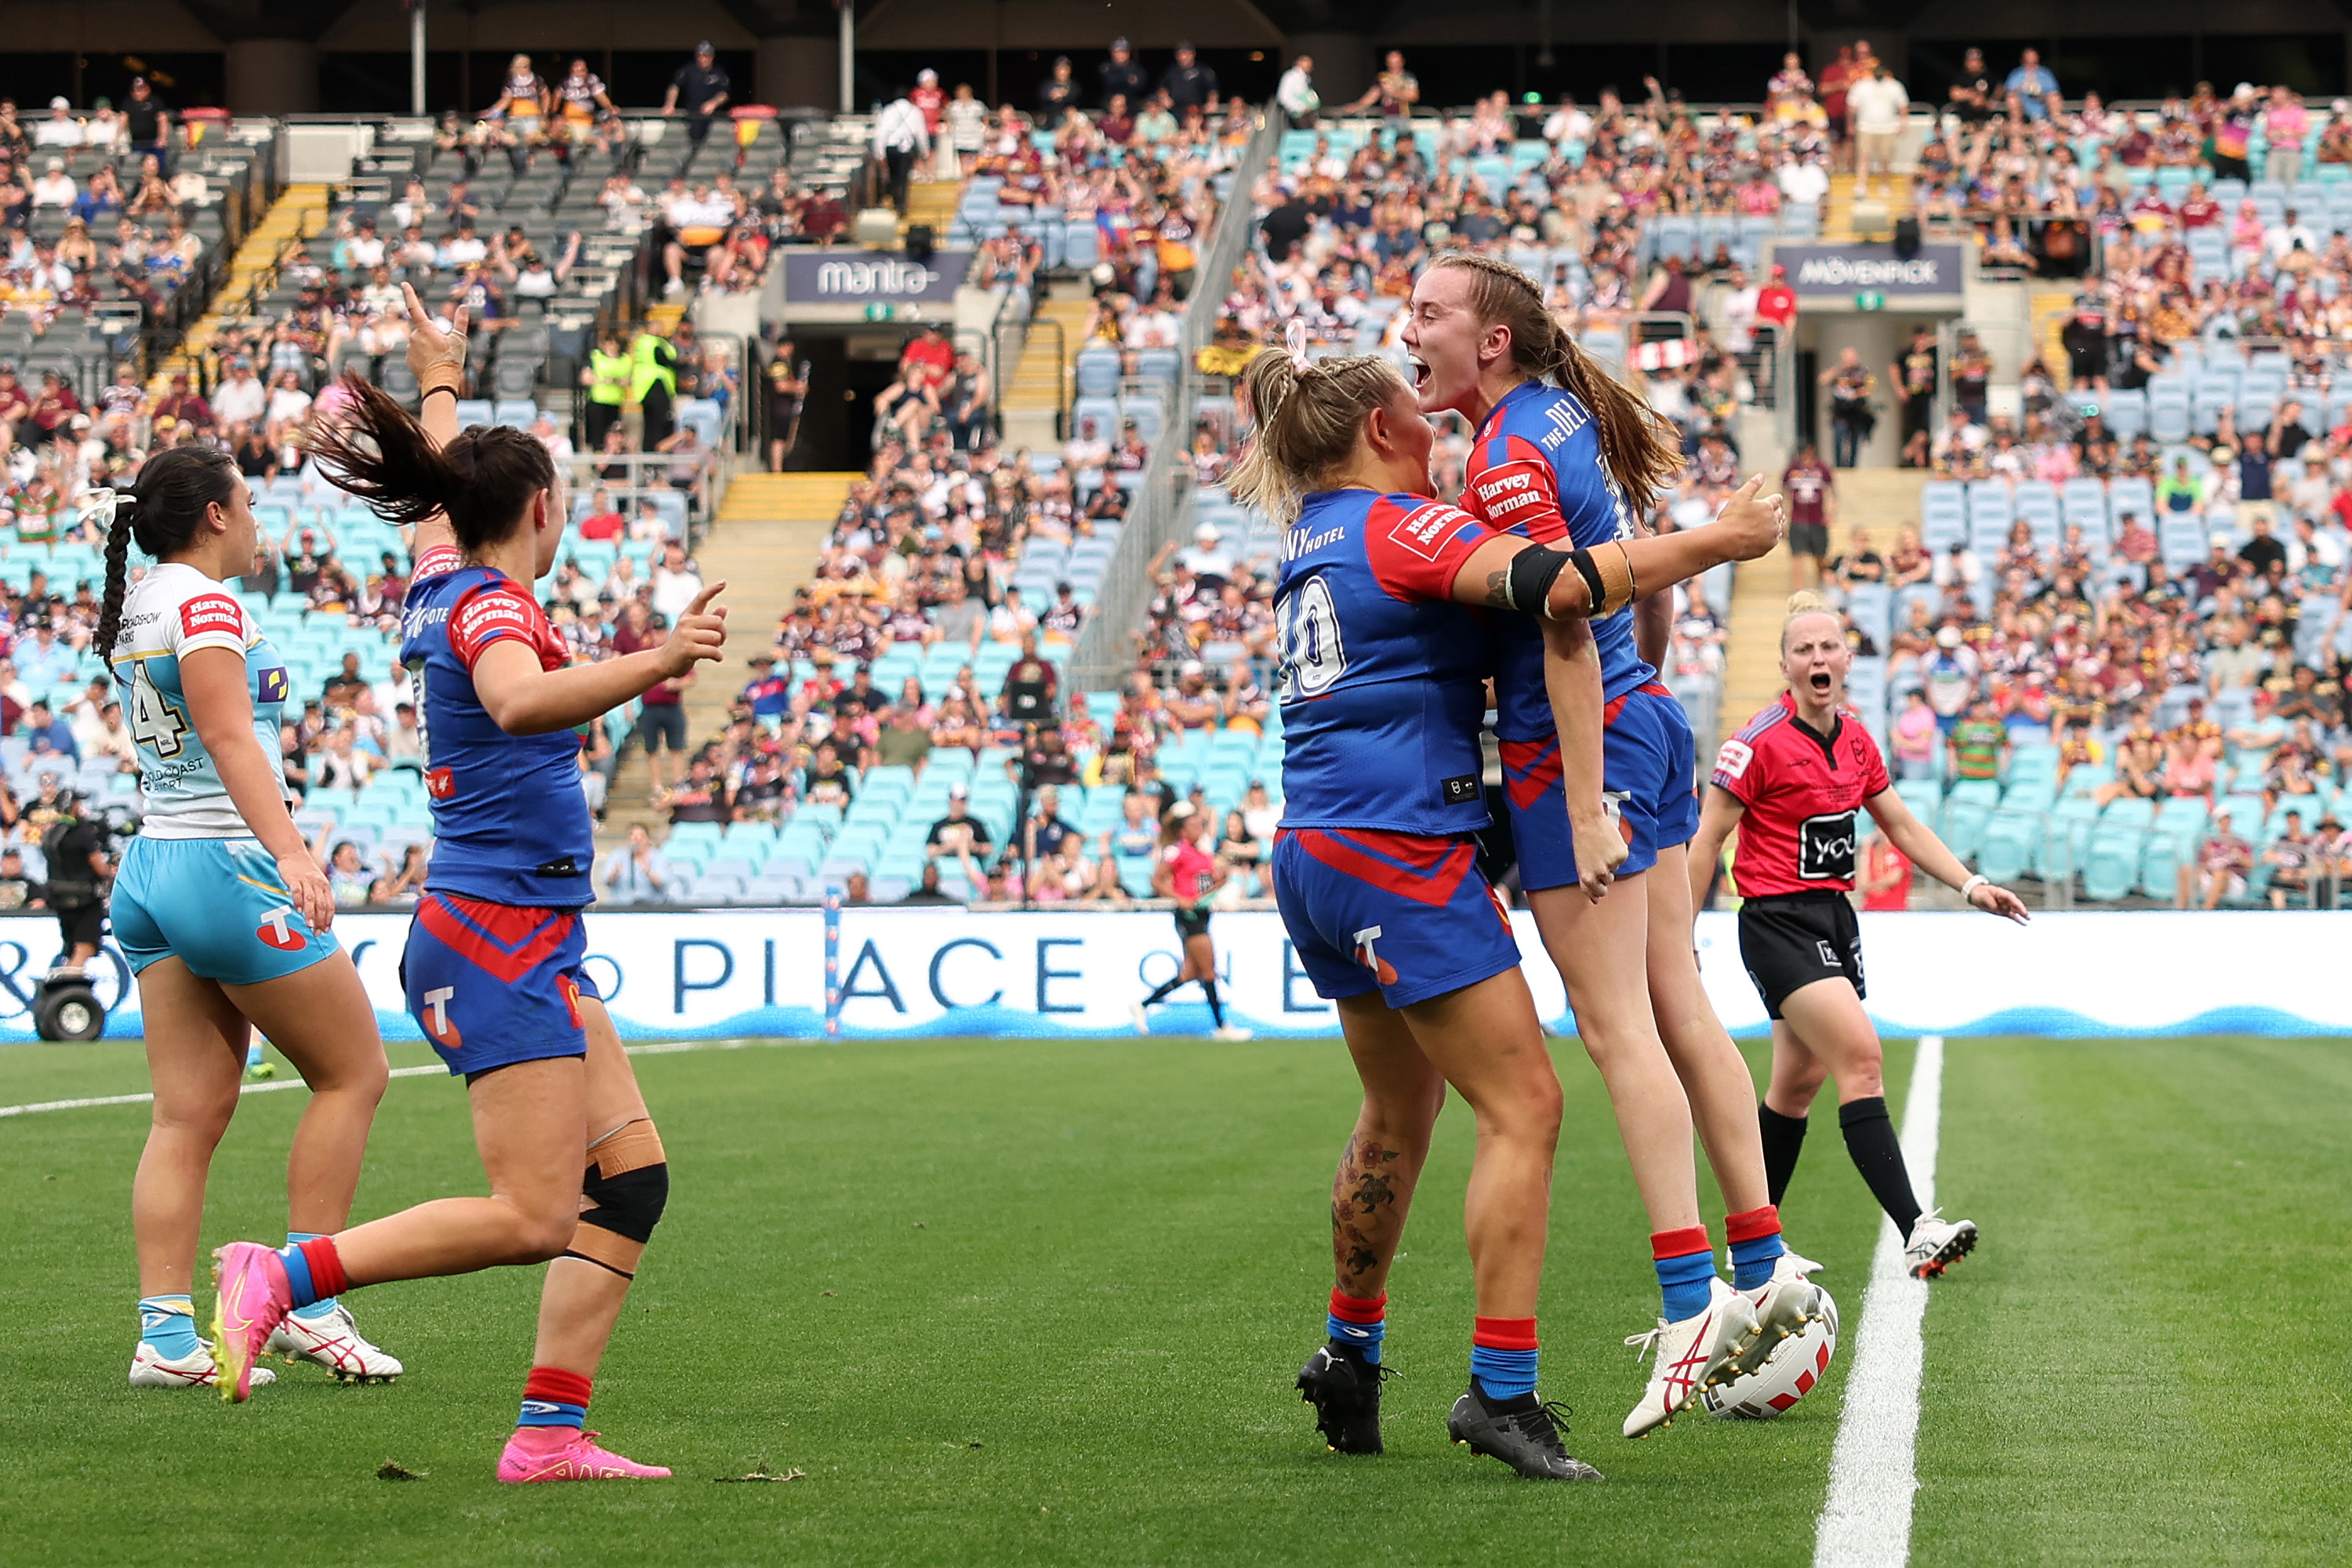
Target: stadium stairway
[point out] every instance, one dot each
(763, 545)
(1881, 500)
(1038, 392)
(1837, 222)
(299, 212)
(932, 201)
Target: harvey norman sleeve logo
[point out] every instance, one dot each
(476, 622)
(211, 613)
(1425, 528)
(1508, 489)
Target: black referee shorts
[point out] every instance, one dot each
(1789, 941)
(1191, 923)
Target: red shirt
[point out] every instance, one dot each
(1885, 858)
(1801, 789)
(1777, 303)
(603, 525)
(1190, 870)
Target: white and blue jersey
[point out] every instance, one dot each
(196, 884)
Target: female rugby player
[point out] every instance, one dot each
(1188, 873)
(1791, 782)
(222, 913)
(1565, 452)
(1383, 676)
(492, 967)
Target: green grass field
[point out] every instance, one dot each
(1043, 1302)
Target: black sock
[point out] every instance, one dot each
(1160, 995)
(1870, 1138)
(1216, 1008)
(1784, 1140)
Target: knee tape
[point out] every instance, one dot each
(621, 1199)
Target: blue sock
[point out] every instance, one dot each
(298, 1274)
(1503, 1356)
(324, 1304)
(1363, 1327)
(168, 1323)
(1685, 1270)
(1756, 1245)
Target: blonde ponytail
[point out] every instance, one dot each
(1307, 422)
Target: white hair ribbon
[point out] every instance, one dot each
(1294, 339)
(100, 507)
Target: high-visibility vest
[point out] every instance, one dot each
(609, 377)
(656, 365)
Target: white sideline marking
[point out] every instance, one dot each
(655, 1048)
(1865, 1520)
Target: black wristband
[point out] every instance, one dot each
(1589, 570)
(431, 390)
(1532, 573)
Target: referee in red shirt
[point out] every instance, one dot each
(1791, 783)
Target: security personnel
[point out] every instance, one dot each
(608, 377)
(653, 382)
(1122, 78)
(75, 846)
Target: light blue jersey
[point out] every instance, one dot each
(175, 611)
(194, 884)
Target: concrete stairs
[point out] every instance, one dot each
(932, 201)
(763, 545)
(299, 212)
(1037, 393)
(1837, 218)
(1880, 500)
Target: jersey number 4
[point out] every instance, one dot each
(1307, 626)
(155, 720)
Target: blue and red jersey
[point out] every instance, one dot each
(510, 824)
(1536, 470)
(1382, 675)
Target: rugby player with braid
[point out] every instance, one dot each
(1383, 665)
(1565, 452)
(492, 967)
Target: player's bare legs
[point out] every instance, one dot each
(1600, 951)
(1714, 1077)
(195, 1057)
(582, 1299)
(304, 1016)
(1373, 1190)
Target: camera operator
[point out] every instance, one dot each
(81, 868)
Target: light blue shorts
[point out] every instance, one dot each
(218, 905)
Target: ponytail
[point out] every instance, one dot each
(175, 489)
(481, 482)
(1307, 422)
(1640, 447)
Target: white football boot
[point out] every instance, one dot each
(1230, 1032)
(1936, 1244)
(1690, 1355)
(1142, 1019)
(332, 1342)
(1784, 1304)
(195, 1370)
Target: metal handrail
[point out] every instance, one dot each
(1158, 513)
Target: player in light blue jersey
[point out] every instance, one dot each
(221, 911)
(492, 967)
(1563, 451)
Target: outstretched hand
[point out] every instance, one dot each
(1995, 900)
(1755, 521)
(432, 346)
(700, 634)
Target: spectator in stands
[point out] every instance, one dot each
(929, 891)
(1849, 383)
(901, 138)
(1057, 95)
(2219, 872)
(959, 835)
(1877, 105)
(634, 873)
(1978, 744)
(1295, 96)
(703, 88)
(1191, 86)
(702, 796)
(905, 740)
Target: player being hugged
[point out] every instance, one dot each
(1187, 873)
(1384, 667)
(1602, 789)
(1790, 783)
(223, 914)
(493, 968)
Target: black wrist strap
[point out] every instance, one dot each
(1527, 585)
(431, 390)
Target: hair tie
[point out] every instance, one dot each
(102, 506)
(1293, 341)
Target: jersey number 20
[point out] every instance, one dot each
(1307, 625)
(155, 721)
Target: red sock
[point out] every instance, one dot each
(1504, 1333)
(1679, 1243)
(554, 1397)
(327, 1275)
(1753, 1226)
(1360, 1309)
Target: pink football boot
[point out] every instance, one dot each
(255, 1296)
(567, 1454)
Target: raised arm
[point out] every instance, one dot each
(438, 359)
(523, 698)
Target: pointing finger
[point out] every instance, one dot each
(705, 597)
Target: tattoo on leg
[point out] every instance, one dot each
(1361, 1235)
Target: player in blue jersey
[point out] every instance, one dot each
(492, 966)
(1564, 452)
(1383, 666)
(222, 913)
